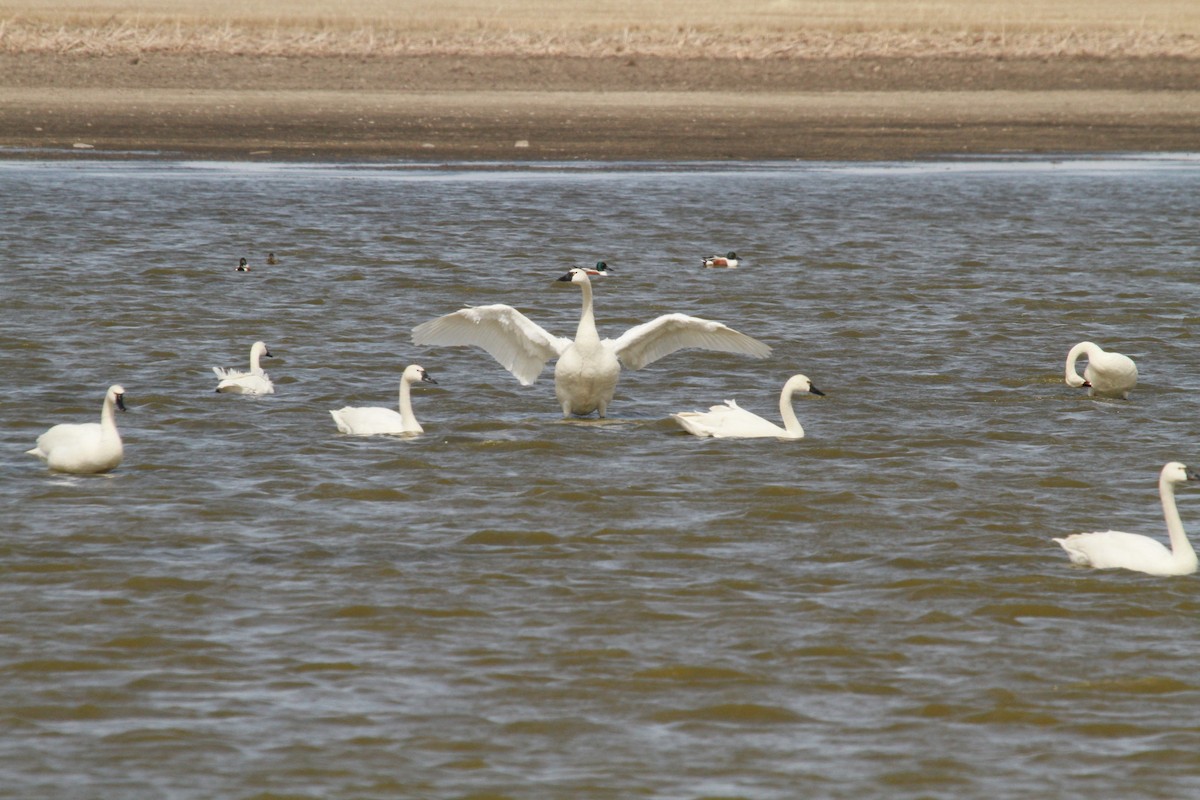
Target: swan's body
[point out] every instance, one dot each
(1120, 550)
(585, 376)
(234, 381)
(242, 266)
(85, 448)
(370, 421)
(601, 269)
(731, 421)
(729, 260)
(1106, 374)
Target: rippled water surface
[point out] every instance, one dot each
(514, 605)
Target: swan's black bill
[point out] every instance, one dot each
(814, 390)
(426, 379)
(566, 277)
(121, 402)
(1192, 475)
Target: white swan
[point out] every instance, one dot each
(1106, 374)
(588, 366)
(368, 421)
(731, 421)
(1120, 550)
(88, 447)
(234, 381)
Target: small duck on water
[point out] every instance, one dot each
(601, 268)
(243, 266)
(271, 259)
(729, 260)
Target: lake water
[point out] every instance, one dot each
(517, 606)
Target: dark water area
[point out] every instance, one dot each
(254, 605)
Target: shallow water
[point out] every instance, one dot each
(513, 605)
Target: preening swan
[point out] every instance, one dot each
(1119, 550)
(588, 366)
(1106, 374)
(729, 260)
(369, 421)
(731, 421)
(88, 447)
(234, 381)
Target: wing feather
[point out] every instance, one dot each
(518, 343)
(646, 343)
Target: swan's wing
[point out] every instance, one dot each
(369, 420)
(520, 345)
(646, 343)
(728, 421)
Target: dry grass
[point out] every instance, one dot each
(677, 28)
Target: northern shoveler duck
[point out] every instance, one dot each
(601, 268)
(729, 260)
(243, 266)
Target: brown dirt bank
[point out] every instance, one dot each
(480, 107)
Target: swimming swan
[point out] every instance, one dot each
(1119, 550)
(369, 421)
(88, 447)
(731, 421)
(588, 366)
(1106, 375)
(234, 381)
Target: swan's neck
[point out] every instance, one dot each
(108, 420)
(586, 332)
(790, 423)
(407, 418)
(255, 369)
(1181, 548)
(1083, 348)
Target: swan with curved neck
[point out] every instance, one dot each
(1120, 550)
(85, 448)
(234, 381)
(1106, 374)
(731, 421)
(586, 373)
(374, 420)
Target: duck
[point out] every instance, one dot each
(587, 369)
(729, 260)
(86, 448)
(602, 269)
(243, 266)
(234, 381)
(731, 421)
(1132, 551)
(1107, 374)
(271, 259)
(371, 421)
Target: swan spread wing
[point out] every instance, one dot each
(646, 343)
(518, 343)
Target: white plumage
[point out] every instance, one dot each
(1120, 550)
(1106, 374)
(586, 373)
(234, 381)
(731, 421)
(88, 447)
(374, 420)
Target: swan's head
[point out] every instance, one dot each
(576, 275)
(801, 383)
(1174, 472)
(116, 395)
(417, 374)
(260, 349)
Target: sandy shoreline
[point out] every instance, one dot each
(625, 108)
